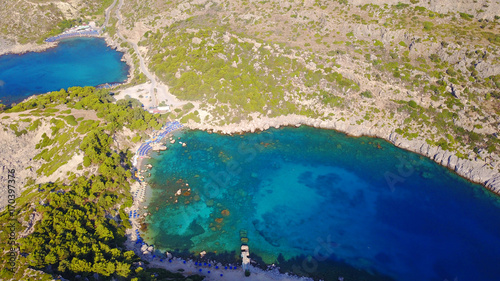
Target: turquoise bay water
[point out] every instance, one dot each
(74, 62)
(321, 204)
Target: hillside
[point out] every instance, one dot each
(424, 75)
(69, 176)
(28, 22)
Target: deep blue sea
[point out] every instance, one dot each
(74, 62)
(318, 203)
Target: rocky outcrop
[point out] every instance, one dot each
(17, 153)
(476, 170)
(484, 9)
(30, 224)
(10, 47)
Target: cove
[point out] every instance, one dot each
(320, 204)
(73, 62)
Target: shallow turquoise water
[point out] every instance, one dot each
(74, 62)
(321, 204)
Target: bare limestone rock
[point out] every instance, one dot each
(485, 9)
(196, 40)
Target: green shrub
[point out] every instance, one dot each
(435, 58)
(341, 81)
(187, 106)
(428, 25)
(450, 71)
(86, 126)
(401, 5)
(35, 125)
(86, 161)
(367, 94)
(70, 119)
(467, 17)
(331, 99)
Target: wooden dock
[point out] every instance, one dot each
(245, 250)
(245, 256)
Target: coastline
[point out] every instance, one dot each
(125, 57)
(19, 49)
(476, 170)
(150, 254)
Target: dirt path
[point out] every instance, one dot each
(157, 90)
(108, 11)
(142, 65)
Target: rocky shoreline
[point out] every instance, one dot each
(484, 172)
(125, 58)
(7, 47)
(476, 170)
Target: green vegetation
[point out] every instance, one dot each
(83, 222)
(467, 17)
(331, 99)
(70, 119)
(367, 94)
(492, 37)
(428, 25)
(81, 231)
(225, 74)
(116, 116)
(74, 236)
(63, 25)
(59, 147)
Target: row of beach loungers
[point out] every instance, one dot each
(72, 34)
(133, 214)
(144, 149)
(169, 127)
(139, 239)
(139, 194)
